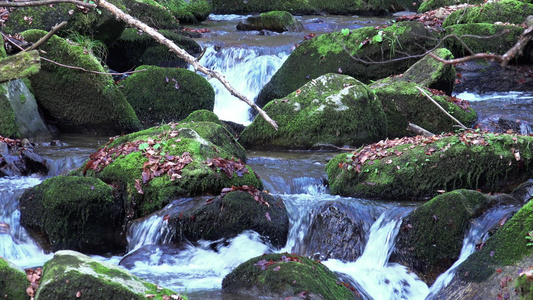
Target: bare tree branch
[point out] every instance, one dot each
(184, 55)
(44, 2)
(440, 107)
(46, 37)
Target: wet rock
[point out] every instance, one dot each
(285, 275)
(92, 279)
(168, 94)
(490, 77)
(226, 217)
(510, 11)
(320, 112)
(431, 237)
(524, 192)
(145, 253)
(335, 52)
(417, 168)
(13, 282)
(71, 212)
(17, 160)
(278, 21)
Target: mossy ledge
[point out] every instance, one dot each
(416, 170)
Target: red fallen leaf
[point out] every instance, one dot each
(498, 270)
(78, 294)
(138, 186)
(150, 296)
(30, 291)
(276, 268)
(268, 216)
(166, 218)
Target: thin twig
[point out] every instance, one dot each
(46, 37)
(440, 107)
(44, 2)
(89, 71)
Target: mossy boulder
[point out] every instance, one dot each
(285, 275)
(403, 103)
(428, 72)
(2, 51)
(77, 101)
(188, 11)
(202, 115)
(346, 54)
(13, 282)
(508, 11)
(428, 5)
(278, 21)
(227, 216)
(500, 38)
(70, 273)
(258, 6)
(432, 235)
(98, 24)
(152, 13)
(416, 168)
(19, 65)
(19, 115)
(72, 212)
(135, 48)
(157, 165)
(333, 109)
(167, 94)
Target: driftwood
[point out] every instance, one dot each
(19, 65)
(419, 130)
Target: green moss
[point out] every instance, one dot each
(297, 7)
(335, 52)
(509, 11)
(321, 112)
(202, 115)
(13, 282)
(193, 11)
(165, 94)
(77, 101)
(287, 276)
(2, 51)
(506, 247)
(8, 125)
(415, 175)
(152, 13)
(74, 213)
(428, 5)
(501, 38)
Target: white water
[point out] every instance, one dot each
(247, 70)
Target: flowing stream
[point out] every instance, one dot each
(297, 177)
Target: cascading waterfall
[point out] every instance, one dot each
(248, 70)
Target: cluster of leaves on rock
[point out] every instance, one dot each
(433, 18)
(12, 142)
(465, 105)
(265, 264)
(385, 148)
(250, 189)
(228, 166)
(34, 277)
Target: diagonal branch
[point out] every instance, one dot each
(44, 2)
(184, 55)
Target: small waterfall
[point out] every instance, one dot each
(374, 277)
(248, 70)
(478, 233)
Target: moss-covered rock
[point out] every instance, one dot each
(188, 11)
(155, 166)
(2, 51)
(432, 235)
(285, 275)
(333, 109)
(19, 115)
(20, 65)
(152, 13)
(258, 6)
(508, 11)
(416, 168)
(135, 48)
(428, 72)
(75, 213)
(340, 53)
(69, 274)
(229, 215)
(500, 39)
(77, 101)
(202, 115)
(95, 23)
(167, 94)
(13, 282)
(428, 5)
(403, 103)
(278, 21)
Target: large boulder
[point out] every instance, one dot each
(188, 11)
(432, 235)
(403, 103)
(333, 109)
(258, 6)
(73, 275)
(17, 158)
(283, 276)
(507, 11)
(19, 65)
(155, 166)
(13, 282)
(134, 48)
(95, 23)
(418, 167)
(72, 212)
(167, 94)
(152, 13)
(227, 216)
(78, 101)
(19, 115)
(278, 21)
(351, 54)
